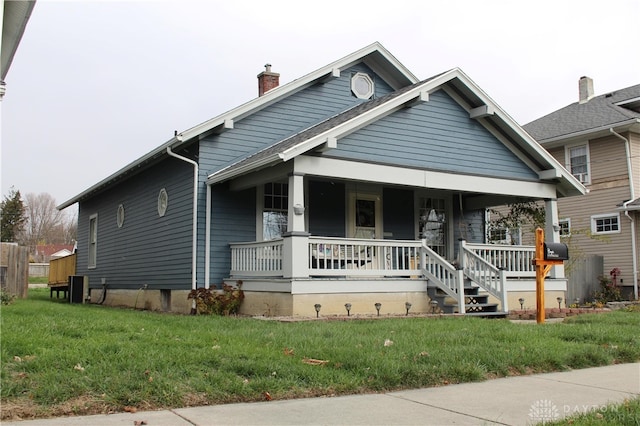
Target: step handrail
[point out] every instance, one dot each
(486, 275)
(443, 274)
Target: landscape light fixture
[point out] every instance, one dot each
(317, 306)
(521, 300)
(378, 306)
(577, 301)
(434, 306)
(559, 299)
(407, 305)
(347, 306)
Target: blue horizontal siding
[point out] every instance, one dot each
(147, 249)
(435, 135)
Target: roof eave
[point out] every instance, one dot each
(15, 16)
(152, 155)
(596, 132)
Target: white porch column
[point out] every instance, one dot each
(296, 221)
(295, 255)
(295, 262)
(552, 231)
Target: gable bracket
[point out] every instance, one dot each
(549, 174)
(481, 111)
(423, 96)
(335, 73)
(331, 143)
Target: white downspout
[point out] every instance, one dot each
(626, 211)
(194, 248)
(207, 240)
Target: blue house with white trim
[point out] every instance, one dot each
(355, 184)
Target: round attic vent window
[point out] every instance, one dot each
(120, 216)
(362, 85)
(163, 202)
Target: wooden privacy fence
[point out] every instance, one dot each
(14, 270)
(60, 270)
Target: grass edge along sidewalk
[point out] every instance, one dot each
(60, 359)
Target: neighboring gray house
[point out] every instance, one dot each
(353, 184)
(597, 138)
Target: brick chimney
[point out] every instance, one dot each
(585, 87)
(267, 80)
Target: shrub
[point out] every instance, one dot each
(609, 289)
(6, 298)
(212, 301)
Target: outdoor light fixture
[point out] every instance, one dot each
(407, 305)
(317, 306)
(434, 306)
(559, 299)
(378, 306)
(347, 306)
(521, 300)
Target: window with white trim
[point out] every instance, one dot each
(565, 227)
(275, 210)
(93, 241)
(605, 223)
(578, 162)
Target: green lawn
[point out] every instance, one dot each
(62, 359)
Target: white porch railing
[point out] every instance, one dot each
(515, 261)
(257, 259)
(363, 257)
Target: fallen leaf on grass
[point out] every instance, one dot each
(312, 361)
(130, 409)
(78, 367)
(288, 352)
(17, 358)
(267, 396)
(388, 342)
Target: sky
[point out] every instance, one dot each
(95, 85)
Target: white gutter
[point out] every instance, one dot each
(626, 211)
(194, 247)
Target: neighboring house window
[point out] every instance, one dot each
(503, 236)
(605, 224)
(93, 240)
(274, 212)
(578, 162)
(565, 227)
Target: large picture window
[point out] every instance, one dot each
(93, 241)
(275, 209)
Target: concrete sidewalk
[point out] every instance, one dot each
(509, 401)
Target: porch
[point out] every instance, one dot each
(338, 270)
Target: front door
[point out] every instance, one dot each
(365, 215)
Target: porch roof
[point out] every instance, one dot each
(324, 135)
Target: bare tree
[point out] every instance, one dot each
(45, 223)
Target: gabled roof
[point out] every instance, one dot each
(456, 84)
(379, 59)
(619, 110)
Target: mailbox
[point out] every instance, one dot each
(556, 251)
